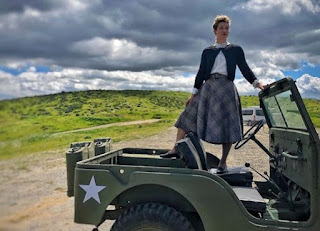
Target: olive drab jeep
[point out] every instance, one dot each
(141, 190)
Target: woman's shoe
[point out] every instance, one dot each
(169, 155)
(221, 170)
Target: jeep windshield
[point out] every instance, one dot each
(282, 111)
(283, 107)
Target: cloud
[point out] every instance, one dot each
(309, 86)
(17, 6)
(76, 33)
(291, 7)
(8, 86)
(121, 54)
(75, 79)
(34, 83)
(268, 64)
(245, 88)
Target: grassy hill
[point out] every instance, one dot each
(30, 124)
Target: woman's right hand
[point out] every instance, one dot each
(190, 100)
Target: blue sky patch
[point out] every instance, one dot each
(188, 74)
(43, 69)
(13, 71)
(18, 71)
(306, 68)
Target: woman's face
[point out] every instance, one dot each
(222, 32)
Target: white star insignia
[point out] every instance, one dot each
(92, 190)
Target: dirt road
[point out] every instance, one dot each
(33, 188)
(111, 125)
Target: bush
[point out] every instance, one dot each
(72, 107)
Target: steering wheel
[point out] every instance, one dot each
(247, 136)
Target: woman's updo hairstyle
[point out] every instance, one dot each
(220, 18)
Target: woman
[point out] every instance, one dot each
(213, 111)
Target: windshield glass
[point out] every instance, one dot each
(283, 111)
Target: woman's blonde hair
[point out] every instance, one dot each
(220, 18)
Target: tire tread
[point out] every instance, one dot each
(152, 212)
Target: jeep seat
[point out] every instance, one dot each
(236, 176)
(188, 153)
(199, 149)
(208, 160)
(191, 150)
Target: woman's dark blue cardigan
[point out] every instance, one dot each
(234, 56)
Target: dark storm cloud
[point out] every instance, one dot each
(170, 27)
(181, 26)
(279, 31)
(17, 6)
(163, 38)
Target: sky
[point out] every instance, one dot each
(50, 46)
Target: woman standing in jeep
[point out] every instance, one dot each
(213, 111)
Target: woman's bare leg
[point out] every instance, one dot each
(180, 135)
(225, 151)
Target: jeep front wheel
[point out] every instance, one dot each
(152, 217)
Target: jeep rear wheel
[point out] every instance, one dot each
(152, 217)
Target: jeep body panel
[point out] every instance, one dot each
(213, 190)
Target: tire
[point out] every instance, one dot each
(249, 123)
(152, 217)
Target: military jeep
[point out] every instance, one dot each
(141, 190)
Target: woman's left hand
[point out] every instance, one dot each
(190, 100)
(261, 86)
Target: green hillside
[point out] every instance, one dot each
(30, 124)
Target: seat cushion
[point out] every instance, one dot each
(251, 199)
(236, 176)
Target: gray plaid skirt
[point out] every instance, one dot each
(215, 112)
